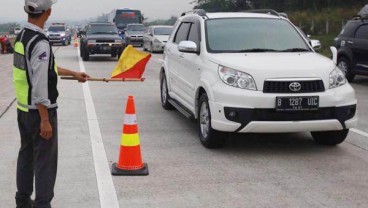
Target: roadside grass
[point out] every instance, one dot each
(327, 42)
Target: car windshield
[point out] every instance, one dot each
(135, 28)
(56, 29)
(162, 31)
(102, 29)
(240, 35)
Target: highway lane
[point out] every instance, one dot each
(253, 170)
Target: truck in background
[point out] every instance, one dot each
(122, 17)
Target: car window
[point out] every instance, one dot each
(162, 30)
(257, 34)
(182, 33)
(136, 28)
(194, 34)
(362, 32)
(56, 29)
(102, 29)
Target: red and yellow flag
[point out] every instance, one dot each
(132, 63)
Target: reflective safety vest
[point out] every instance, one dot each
(24, 44)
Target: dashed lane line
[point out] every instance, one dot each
(105, 185)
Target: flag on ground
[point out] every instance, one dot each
(131, 64)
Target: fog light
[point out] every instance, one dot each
(232, 114)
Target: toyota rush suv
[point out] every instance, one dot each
(253, 73)
(352, 45)
(101, 38)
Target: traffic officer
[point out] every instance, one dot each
(35, 80)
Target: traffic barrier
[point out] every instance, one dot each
(130, 159)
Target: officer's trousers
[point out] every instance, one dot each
(37, 160)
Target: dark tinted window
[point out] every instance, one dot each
(56, 29)
(194, 34)
(102, 29)
(135, 28)
(182, 33)
(362, 32)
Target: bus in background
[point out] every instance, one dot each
(122, 17)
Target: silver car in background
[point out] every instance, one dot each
(155, 37)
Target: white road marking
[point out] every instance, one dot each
(359, 132)
(105, 185)
(157, 60)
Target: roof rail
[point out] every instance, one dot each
(200, 12)
(265, 11)
(359, 17)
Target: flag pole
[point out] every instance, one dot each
(107, 79)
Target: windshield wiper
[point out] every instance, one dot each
(295, 50)
(255, 50)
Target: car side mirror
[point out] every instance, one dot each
(150, 34)
(188, 47)
(316, 44)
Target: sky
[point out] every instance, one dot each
(75, 10)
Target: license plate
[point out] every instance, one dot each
(297, 103)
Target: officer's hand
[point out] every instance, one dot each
(46, 130)
(81, 76)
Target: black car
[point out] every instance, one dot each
(352, 45)
(101, 38)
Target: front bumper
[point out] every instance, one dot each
(158, 46)
(239, 110)
(134, 40)
(58, 39)
(104, 48)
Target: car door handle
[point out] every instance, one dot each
(181, 55)
(350, 42)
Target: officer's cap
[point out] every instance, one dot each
(38, 6)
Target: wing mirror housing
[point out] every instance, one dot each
(188, 47)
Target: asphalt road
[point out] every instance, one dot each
(253, 170)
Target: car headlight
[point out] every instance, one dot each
(119, 41)
(337, 78)
(62, 34)
(157, 41)
(91, 41)
(236, 78)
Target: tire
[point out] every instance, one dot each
(346, 66)
(165, 94)
(209, 137)
(85, 55)
(330, 138)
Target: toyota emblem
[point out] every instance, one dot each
(295, 86)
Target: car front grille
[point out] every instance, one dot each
(283, 86)
(105, 41)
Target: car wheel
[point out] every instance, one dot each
(209, 137)
(81, 51)
(144, 47)
(330, 137)
(345, 65)
(85, 55)
(165, 94)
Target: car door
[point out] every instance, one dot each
(174, 60)
(359, 47)
(189, 69)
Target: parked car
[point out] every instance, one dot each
(101, 38)
(352, 45)
(253, 73)
(155, 37)
(59, 34)
(134, 34)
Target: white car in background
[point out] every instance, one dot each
(248, 72)
(17, 30)
(155, 37)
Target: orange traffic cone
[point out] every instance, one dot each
(76, 42)
(130, 160)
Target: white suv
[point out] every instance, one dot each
(251, 72)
